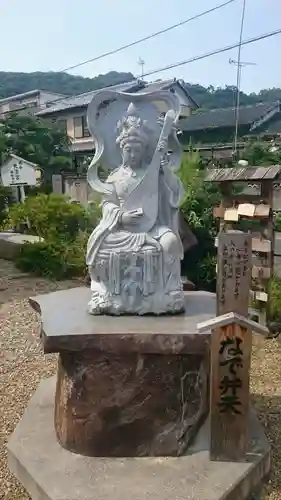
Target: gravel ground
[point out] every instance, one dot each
(22, 365)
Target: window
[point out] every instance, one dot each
(62, 125)
(78, 128)
(86, 132)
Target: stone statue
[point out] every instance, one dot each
(134, 253)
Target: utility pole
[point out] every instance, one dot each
(238, 78)
(141, 63)
(240, 65)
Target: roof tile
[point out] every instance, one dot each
(225, 117)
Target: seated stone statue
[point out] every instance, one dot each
(134, 253)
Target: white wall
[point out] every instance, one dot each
(15, 172)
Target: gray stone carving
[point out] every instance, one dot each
(134, 253)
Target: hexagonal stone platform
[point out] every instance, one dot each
(49, 472)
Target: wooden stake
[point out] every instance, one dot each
(231, 344)
(230, 369)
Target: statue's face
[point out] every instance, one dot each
(133, 153)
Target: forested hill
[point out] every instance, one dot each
(64, 83)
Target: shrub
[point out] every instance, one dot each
(48, 216)
(64, 228)
(274, 306)
(277, 223)
(5, 198)
(199, 264)
(55, 259)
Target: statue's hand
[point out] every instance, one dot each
(162, 146)
(164, 163)
(131, 217)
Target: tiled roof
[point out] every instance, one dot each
(243, 174)
(18, 158)
(274, 127)
(82, 100)
(133, 86)
(29, 93)
(169, 84)
(215, 118)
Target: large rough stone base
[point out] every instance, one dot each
(49, 472)
(131, 404)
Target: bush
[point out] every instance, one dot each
(54, 259)
(5, 198)
(199, 264)
(277, 223)
(50, 217)
(64, 228)
(274, 306)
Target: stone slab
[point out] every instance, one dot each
(66, 325)
(11, 243)
(49, 472)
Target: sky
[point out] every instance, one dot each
(51, 35)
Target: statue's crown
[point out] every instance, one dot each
(132, 128)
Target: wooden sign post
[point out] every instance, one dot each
(230, 372)
(231, 345)
(234, 272)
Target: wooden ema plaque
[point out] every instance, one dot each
(234, 272)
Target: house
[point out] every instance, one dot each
(28, 102)
(70, 113)
(218, 125)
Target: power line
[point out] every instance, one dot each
(148, 37)
(187, 61)
(238, 81)
(213, 52)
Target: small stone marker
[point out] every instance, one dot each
(230, 372)
(57, 184)
(234, 272)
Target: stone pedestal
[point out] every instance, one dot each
(130, 405)
(127, 386)
(49, 472)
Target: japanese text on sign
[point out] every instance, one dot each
(230, 384)
(15, 173)
(234, 261)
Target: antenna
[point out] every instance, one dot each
(238, 79)
(141, 63)
(241, 64)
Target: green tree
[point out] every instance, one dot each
(261, 153)
(197, 208)
(35, 141)
(59, 82)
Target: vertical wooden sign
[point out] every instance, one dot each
(234, 272)
(230, 371)
(231, 350)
